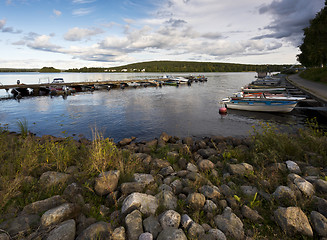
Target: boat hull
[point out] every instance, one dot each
(262, 106)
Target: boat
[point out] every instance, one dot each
(57, 87)
(260, 105)
(274, 95)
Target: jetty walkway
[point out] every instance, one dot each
(316, 90)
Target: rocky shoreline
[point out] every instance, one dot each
(179, 189)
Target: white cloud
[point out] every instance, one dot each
(57, 12)
(77, 34)
(82, 11)
(83, 1)
(43, 43)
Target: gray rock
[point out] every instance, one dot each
(186, 221)
(321, 205)
(170, 218)
(177, 186)
(210, 206)
(195, 230)
(319, 223)
(119, 234)
(43, 205)
(249, 190)
(172, 234)
(143, 178)
(321, 186)
(227, 191)
(152, 225)
(191, 167)
(167, 199)
(166, 171)
(50, 179)
(217, 234)
(134, 225)
(130, 187)
(59, 214)
(206, 165)
(293, 167)
(65, 231)
(165, 187)
(106, 182)
(146, 236)
(196, 200)
(4, 236)
(159, 163)
(210, 192)
(125, 141)
(207, 152)
(21, 225)
(165, 137)
(237, 169)
(304, 186)
(230, 224)
(99, 230)
(251, 214)
(293, 221)
(311, 171)
(188, 141)
(285, 196)
(147, 204)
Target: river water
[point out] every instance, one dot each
(143, 112)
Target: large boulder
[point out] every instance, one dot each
(51, 179)
(170, 219)
(284, 196)
(230, 224)
(58, 214)
(172, 234)
(321, 185)
(147, 204)
(98, 230)
(167, 199)
(303, 185)
(65, 231)
(196, 200)
(43, 205)
(134, 225)
(106, 182)
(152, 225)
(293, 221)
(319, 223)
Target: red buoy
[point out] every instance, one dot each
(223, 111)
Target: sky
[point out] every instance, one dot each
(106, 33)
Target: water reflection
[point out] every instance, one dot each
(142, 112)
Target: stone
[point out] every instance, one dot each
(230, 224)
(166, 171)
(249, 190)
(59, 214)
(304, 186)
(191, 167)
(170, 219)
(284, 195)
(207, 152)
(167, 199)
(143, 178)
(321, 185)
(210, 206)
(130, 187)
(165, 137)
(43, 205)
(21, 225)
(172, 234)
(165, 187)
(188, 141)
(106, 182)
(206, 165)
(320, 205)
(293, 167)
(196, 200)
(134, 225)
(146, 236)
(50, 179)
(152, 225)
(125, 141)
(98, 230)
(251, 214)
(319, 223)
(195, 231)
(65, 231)
(236, 169)
(186, 221)
(227, 191)
(4, 236)
(217, 234)
(293, 221)
(118, 234)
(177, 186)
(147, 204)
(159, 163)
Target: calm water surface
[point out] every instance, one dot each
(142, 112)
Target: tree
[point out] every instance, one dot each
(314, 46)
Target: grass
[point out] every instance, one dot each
(315, 74)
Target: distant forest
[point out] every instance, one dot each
(166, 66)
(180, 66)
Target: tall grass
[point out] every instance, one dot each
(23, 127)
(315, 74)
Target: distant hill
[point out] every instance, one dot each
(185, 66)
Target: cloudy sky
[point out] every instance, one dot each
(104, 33)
